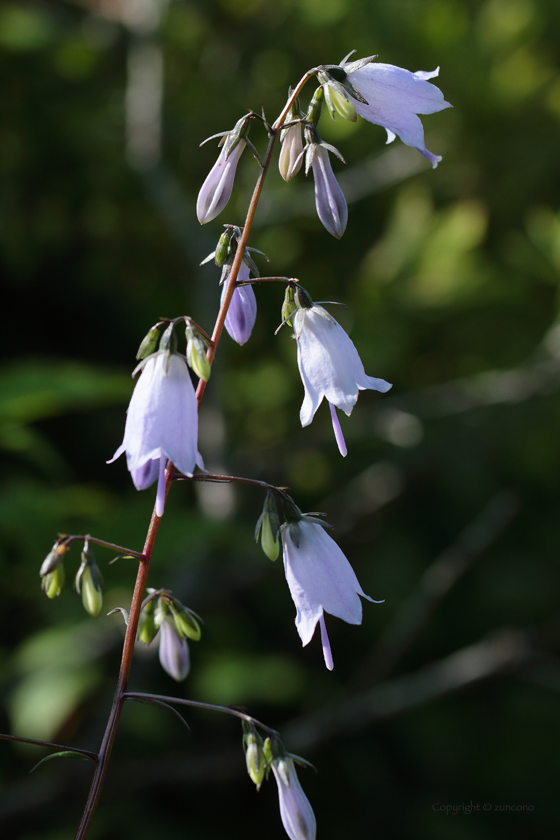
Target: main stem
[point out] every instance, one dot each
(144, 566)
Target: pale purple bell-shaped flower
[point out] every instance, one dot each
(174, 652)
(296, 813)
(321, 580)
(330, 367)
(216, 190)
(394, 99)
(242, 312)
(291, 153)
(329, 198)
(161, 423)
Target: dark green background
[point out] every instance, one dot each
(451, 281)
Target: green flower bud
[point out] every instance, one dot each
(289, 306)
(147, 629)
(222, 248)
(92, 597)
(185, 621)
(88, 582)
(255, 758)
(268, 527)
(53, 582)
(196, 354)
(161, 611)
(148, 343)
(269, 544)
(342, 105)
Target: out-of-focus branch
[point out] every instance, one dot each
(506, 650)
(435, 583)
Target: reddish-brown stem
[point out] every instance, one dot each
(144, 567)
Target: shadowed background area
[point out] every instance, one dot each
(447, 504)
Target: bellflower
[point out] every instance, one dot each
(161, 423)
(296, 813)
(242, 312)
(321, 580)
(173, 651)
(394, 97)
(216, 190)
(329, 366)
(329, 198)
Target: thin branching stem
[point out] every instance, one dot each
(211, 707)
(34, 742)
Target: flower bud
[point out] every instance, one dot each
(269, 527)
(289, 306)
(217, 188)
(53, 582)
(173, 652)
(222, 248)
(147, 629)
(329, 198)
(185, 621)
(291, 154)
(88, 582)
(148, 343)
(342, 105)
(196, 354)
(254, 756)
(53, 559)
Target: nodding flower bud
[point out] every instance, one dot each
(147, 629)
(222, 248)
(291, 154)
(52, 571)
(53, 582)
(296, 813)
(149, 342)
(268, 526)
(197, 354)
(216, 190)
(289, 306)
(329, 198)
(254, 756)
(341, 104)
(185, 621)
(88, 582)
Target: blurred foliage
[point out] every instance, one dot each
(451, 281)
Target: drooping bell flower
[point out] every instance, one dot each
(329, 198)
(174, 652)
(216, 189)
(393, 99)
(242, 312)
(330, 367)
(321, 580)
(296, 813)
(161, 423)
